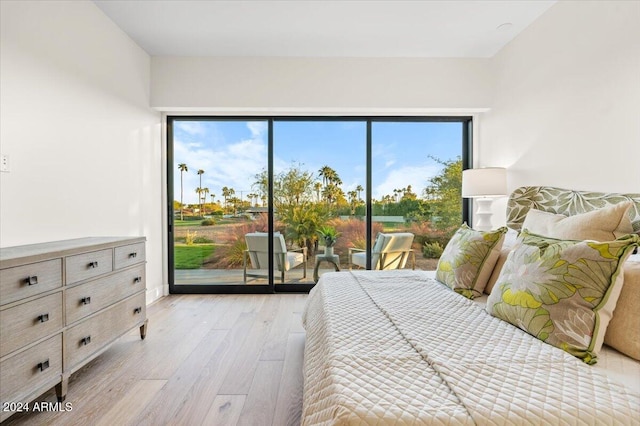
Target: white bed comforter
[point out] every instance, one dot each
(397, 347)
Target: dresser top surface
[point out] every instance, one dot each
(13, 256)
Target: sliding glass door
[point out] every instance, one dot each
(263, 204)
(319, 182)
(214, 168)
(416, 180)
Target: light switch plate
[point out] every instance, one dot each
(4, 163)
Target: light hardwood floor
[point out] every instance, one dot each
(207, 360)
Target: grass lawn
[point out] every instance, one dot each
(178, 222)
(217, 219)
(191, 257)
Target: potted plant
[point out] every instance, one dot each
(329, 235)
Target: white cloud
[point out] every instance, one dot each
(257, 128)
(233, 165)
(194, 128)
(384, 154)
(416, 176)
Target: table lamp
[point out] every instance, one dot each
(484, 185)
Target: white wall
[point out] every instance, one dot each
(84, 146)
(566, 104)
(341, 84)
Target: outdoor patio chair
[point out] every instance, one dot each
(283, 259)
(390, 251)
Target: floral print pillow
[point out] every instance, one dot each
(468, 260)
(562, 292)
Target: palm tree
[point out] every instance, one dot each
(331, 193)
(353, 201)
(205, 191)
(327, 174)
(199, 192)
(183, 168)
(200, 173)
(359, 189)
(225, 194)
(317, 187)
(253, 199)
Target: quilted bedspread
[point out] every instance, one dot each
(397, 347)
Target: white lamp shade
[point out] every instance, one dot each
(487, 182)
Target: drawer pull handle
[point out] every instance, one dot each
(133, 255)
(85, 341)
(43, 365)
(137, 310)
(43, 317)
(85, 300)
(93, 264)
(137, 279)
(32, 280)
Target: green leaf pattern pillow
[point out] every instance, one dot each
(562, 292)
(468, 260)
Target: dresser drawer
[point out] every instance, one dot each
(88, 265)
(31, 369)
(129, 255)
(90, 297)
(29, 280)
(29, 322)
(134, 311)
(83, 340)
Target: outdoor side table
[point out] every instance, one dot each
(334, 259)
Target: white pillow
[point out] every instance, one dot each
(605, 224)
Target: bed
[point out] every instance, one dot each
(399, 347)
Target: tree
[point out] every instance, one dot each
(332, 193)
(317, 187)
(408, 194)
(327, 174)
(302, 223)
(229, 198)
(226, 193)
(200, 173)
(261, 186)
(353, 201)
(359, 189)
(444, 195)
(183, 168)
(293, 187)
(204, 191)
(199, 192)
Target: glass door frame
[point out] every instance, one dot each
(272, 287)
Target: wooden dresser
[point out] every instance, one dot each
(62, 304)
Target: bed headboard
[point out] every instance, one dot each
(564, 201)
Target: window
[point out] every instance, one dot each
(252, 197)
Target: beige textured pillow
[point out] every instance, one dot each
(623, 332)
(497, 269)
(605, 224)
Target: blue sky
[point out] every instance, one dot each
(232, 152)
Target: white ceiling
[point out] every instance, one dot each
(299, 28)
